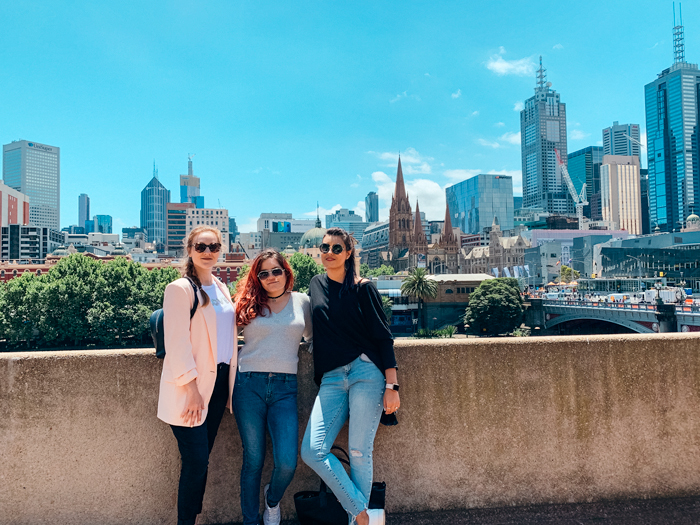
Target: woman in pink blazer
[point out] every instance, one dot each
(199, 368)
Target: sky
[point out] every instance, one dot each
(286, 104)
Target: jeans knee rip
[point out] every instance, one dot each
(355, 453)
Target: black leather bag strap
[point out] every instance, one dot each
(323, 489)
(195, 303)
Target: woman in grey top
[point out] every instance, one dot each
(273, 319)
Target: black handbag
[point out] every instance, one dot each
(321, 507)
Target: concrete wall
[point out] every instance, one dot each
(490, 422)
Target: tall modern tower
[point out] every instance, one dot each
(189, 187)
(543, 129)
(372, 207)
(621, 139)
(154, 200)
(672, 140)
(83, 209)
(35, 170)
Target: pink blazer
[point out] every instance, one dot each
(190, 351)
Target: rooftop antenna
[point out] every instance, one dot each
(678, 36)
(190, 156)
(542, 77)
(155, 170)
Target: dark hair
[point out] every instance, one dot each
(251, 298)
(350, 270)
(188, 269)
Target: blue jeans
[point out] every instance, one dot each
(195, 444)
(260, 400)
(353, 391)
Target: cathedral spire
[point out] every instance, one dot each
(400, 190)
(447, 233)
(418, 226)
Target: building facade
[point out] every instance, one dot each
(475, 202)
(621, 139)
(584, 168)
(189, 187)
(83, 209)
(400, 219)
(177, 226)
(103, 223)
(14, 206)
(372, 207)
(283, 222)
(35, 170)
(503, 257)
(375, 244)
(543, 130)
(28, 243)
(154, 201)
(620, 192)
(672, 141)
(349, 221)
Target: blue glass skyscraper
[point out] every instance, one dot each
(154, 200)
(475, 202)
(672, 140)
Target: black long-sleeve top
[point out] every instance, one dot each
(348, 325)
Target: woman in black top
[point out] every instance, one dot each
(354, 364)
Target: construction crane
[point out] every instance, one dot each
(580, 200)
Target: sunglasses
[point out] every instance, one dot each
(265, 274)
(201, 247)
(337, 249)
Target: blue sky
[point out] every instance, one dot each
(289, 103)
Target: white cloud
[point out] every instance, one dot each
(558, 46)
(457, 94)
(499, 124)
(511, 138)
(250, 226)
(577, 134)
(405, 94)
(427, 74)
(475, 113)
(460, 174)
(489, 144)
(430, 195)
(360, 209)
(412, 162)
(643, 140)
(599, 143)
(518, 106)
(322, 212)
(354, 185)
(522, 67)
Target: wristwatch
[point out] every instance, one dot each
(392, 386)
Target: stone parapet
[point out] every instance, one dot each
(483, 423)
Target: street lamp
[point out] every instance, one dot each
(639, 269)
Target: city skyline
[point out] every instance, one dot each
(282, 113)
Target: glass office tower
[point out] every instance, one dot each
(372, 207)
(154, 200)
(35, 170)
(584, 167)
(672, 141)
(475, 202)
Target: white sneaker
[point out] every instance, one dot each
(273, 515)
(376, 516)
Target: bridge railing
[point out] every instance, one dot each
(685, 308)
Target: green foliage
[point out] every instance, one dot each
(364, 270)
(522, 331)
(83, 301)
(242, 272)
(425, 333)
(304, 268)
(494, 308)
(569, 274)
(384, 269)
(386, 306)
(418, 285)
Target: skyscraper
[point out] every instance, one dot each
(620, 192)
(154, 200)
(35, 170)
(543, 129)
(189, 187)
(475, 202)
(83, 209)
(584, 167)
(672, 140)
(103, 223)
(617, 141)
(372, 207)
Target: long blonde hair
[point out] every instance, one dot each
(188, 269)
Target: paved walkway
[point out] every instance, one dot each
(675, 511)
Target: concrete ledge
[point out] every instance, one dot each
(484, 423)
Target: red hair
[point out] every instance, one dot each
(251, 297)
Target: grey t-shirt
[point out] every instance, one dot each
(272, 342)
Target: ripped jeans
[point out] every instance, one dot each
(355, 392)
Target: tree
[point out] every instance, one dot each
(364, 270)
(21, 310)
(384, 269)
(386, 306)
(242, 272)
(568, 274)
(418, 285)
(495, 307)
(304, 268)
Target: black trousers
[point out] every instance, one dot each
(195, 444)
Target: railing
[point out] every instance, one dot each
(686, 308)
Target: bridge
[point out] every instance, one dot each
(641, 318)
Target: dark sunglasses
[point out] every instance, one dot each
(276, 272)
(201, 247)
(337, 249)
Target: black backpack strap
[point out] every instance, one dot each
(195, 303)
